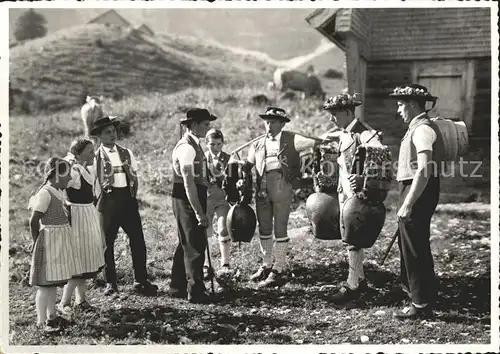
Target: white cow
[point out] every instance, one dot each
(91, 111)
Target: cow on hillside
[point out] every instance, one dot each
(290, 79)
(91, 111)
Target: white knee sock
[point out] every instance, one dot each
(41, 301)
(281, 254)
(81, 288)
(206, 255)
(225, 247)
(361, 273)
(51, 303)
(266, 247)
(68, 290)
(355, 268)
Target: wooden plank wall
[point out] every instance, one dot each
(382, 77)
(360, 27)
(379, 110)
(481, 125)
(424, 33)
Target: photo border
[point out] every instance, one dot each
(218, 4)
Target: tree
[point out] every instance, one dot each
(30, 25)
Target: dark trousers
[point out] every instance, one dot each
(417, 265)
(189, 256)
(119, 209)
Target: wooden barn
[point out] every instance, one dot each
(145, 29)
(111, 17)
(446, 49)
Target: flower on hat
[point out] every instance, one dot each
(276, 112)
(342, 101)
(410, 91)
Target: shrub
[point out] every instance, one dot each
(98, 43)
(333, 74)
(30, 25)
(117, 95)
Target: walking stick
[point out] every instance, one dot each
(263, 135)
(210, 271)
(388, 250)
(246, 144)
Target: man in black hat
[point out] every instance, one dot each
(116, 170)
(189, 203)
(420, 157)
(277, 162)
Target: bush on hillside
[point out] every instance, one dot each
(98, 43)
(30, 25)
(117, 94)
(333, 74)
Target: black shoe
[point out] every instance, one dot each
(225, 276)
(147, 289)
(261, 274)
(55, 324)
(412, 312)
(111, 289)
(201, 298)
(84, 307)
(346, 294)
(176, 293)
(274, 278)
(363, 286)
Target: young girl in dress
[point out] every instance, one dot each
(54, 261)
(88, 242)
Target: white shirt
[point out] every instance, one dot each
(423, 138)
(215, 158)
(40, 201)
(185, 153)
(89, 175)
(272, 150)
(116, 162)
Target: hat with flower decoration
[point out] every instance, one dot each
(275, 113)
(341, 102)
(412, 92)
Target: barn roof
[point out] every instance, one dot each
(145, 27)
(95, 19)
(413, 33)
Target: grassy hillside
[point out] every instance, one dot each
(300, 312)
(282, 33)
(55, 72)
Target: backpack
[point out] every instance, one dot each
(455, 137)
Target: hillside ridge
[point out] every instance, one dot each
(55, 72)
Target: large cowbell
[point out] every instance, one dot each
(323, 211)
(241, 220)
(322, 207)
(361, 221)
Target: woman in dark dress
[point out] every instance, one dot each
(89, 244)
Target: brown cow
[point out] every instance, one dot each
(289, 79)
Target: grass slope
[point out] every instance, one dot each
(297, 313)
(56, 71)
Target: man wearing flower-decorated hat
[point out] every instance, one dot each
(420, 156)
(343, 141)
(276, 158)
